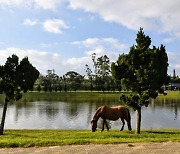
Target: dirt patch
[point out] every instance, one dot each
(132, 148)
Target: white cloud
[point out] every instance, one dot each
(101, 46)
(77, 63)
(12, 3)
(48, 4)
(54, 25)
(42, 4)
(109, 43)
(158, 15)
(30, 22)
(48, 45)
(44, 61)
(168, 40)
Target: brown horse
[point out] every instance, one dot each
(111, 113)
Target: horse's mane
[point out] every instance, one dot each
(96, 113)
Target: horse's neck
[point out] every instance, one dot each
(96, 115)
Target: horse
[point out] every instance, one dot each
(111, 113)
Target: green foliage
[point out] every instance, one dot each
(16, 77)
(74, 79)
(143, 71)
(39, 88)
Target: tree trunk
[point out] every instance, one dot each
(3, 116)
(138, 121)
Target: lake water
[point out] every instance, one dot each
(66, 115)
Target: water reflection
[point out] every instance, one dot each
(161, 113)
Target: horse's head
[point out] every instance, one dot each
(93, 125)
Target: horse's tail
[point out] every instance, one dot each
(129, 120)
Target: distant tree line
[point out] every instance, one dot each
(98, 79)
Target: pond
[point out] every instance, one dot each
(161, 113)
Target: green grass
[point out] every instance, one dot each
(82, 96)
(70, 96)
(171, 94)
(30, 138)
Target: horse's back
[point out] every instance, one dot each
(114, 112)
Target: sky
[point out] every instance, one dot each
(63, 34)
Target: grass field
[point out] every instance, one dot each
(30, 138)
(82, 96)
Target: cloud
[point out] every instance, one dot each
(44, 60)
(109, 43)
(159, 15)
(101, 46)
(48, 45)
(54, 26)
(49, 25)
(42, 4)
(48, 4)
(30, 22)
(12, 3)
(112, 48)
(77, 63)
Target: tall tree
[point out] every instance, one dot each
(142, 71)
(15, 78)
(174, 74)
(103, 71)
(90, 76)
(74, 79)
(103, 65)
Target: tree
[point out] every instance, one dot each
(90, 76)
(52, 79)
(74, 79)
(174, 74)
(101, 70)
(15, 78)
(39, 88)
(143, 71)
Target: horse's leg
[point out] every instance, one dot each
(129, 125)
(123, 124)
(106, 125)
(103, 125)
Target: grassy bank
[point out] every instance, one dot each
(82, 96)
(78, 96)
(30, 138)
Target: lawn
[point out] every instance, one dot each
(30, 138)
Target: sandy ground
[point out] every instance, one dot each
(130, 148)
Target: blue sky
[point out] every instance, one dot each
(62, 34)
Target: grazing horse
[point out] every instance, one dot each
(111, 113)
